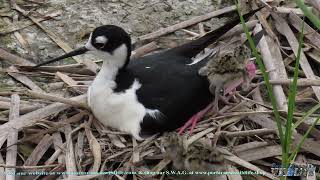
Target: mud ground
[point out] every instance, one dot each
(78, 17)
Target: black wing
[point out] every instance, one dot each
(173, 88)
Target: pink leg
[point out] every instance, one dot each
(228, 88)
(194, 119)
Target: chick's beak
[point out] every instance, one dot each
(76, 52)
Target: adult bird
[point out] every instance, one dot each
(152, 94)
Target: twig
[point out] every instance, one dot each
(162, 164)
(272, 59)
(60, 168)
(309, 145)
(202, 32)
(114, 132)
(68, 80)
(315, 4)
(7, 99)
(25, 45)
(198, 136)
(85, 177)
(300, 73)
(23, 79)
(206, 131)
(11, 58)
(23, 24)
(238, 29)
(39, 151)
(56, 99)
(11, 156)
(283, 27)
(32, 117)
(55, 155)
(262, 16)
(116, 141)
(70, 159)
(2, 170)
(309, 32)
(245, 164)
(145, 49)
(187, 23)
(23, 109)
(65, 78)
(286, 10)
(7, 105)
(29, 167)
(249, 132)
(90, 64)
(301, 82)
(260, 153)
(135, 151)
(250, 145)
(94, 147)
(73, 119)
(191, 33)
(79, 150)
(264, 121)
(117, 154)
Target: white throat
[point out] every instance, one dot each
(105, 79)
(111, 64)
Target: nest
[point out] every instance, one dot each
(47, 130)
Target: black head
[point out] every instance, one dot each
(108, 39)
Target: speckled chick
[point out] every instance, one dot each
(198, 156)
(226, 67)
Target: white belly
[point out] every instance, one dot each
(118, 110)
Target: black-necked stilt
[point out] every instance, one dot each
(152, 94)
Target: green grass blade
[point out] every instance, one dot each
(265, 76)
(308, 114)
(307, 12)
(292, 97)
(296, 150)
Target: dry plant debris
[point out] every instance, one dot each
(46, 125)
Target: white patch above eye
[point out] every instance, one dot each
(101, 39)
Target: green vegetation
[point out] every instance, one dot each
(286, 136)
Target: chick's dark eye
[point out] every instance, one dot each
(99, 45)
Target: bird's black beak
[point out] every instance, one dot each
(76, 52)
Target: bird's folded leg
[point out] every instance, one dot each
(194, 119)
(226, 99)
(216, 100)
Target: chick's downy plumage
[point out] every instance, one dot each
(226, 67)
(198, 156)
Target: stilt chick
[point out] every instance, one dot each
(228, 68)
(197, 157)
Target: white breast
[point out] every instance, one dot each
(118, 110)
